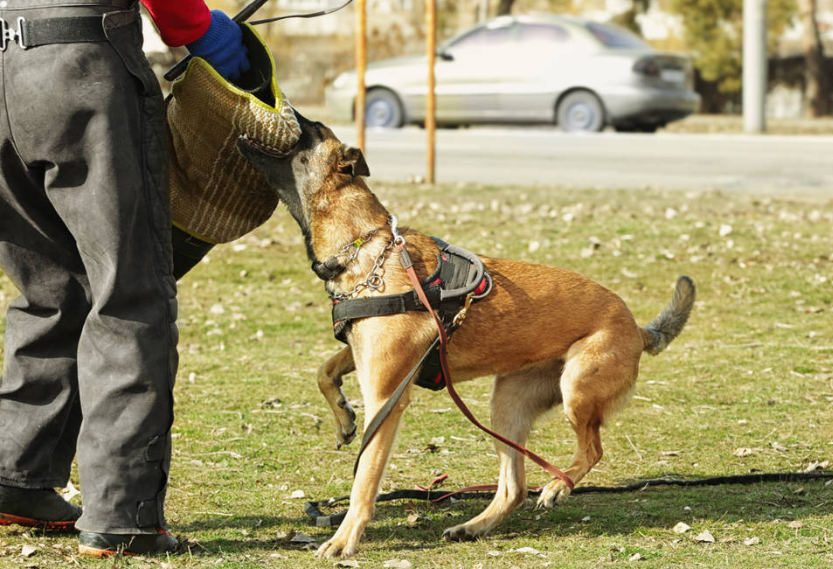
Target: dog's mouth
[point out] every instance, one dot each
(266, 149)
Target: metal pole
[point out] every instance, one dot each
(430, 96)
(754, 65)
(361, 67)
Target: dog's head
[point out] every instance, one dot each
(308, 177)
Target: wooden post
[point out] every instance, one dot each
(754, 66)
(430, 96)
(361, 67)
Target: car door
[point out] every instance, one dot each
(467, 74)
(542, 60)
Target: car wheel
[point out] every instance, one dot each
(581, 111)
(382, 109)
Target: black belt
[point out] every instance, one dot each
(32, 33)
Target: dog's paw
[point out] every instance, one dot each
(460, 533)
(345, 438)
(553, 493)
(345, 424)
(336, 548)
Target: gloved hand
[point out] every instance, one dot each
(222, 47)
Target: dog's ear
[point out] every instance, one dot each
(351, 161)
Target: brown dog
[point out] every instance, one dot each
(548, 335)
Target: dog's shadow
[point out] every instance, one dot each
(626, 513)
(586, 515)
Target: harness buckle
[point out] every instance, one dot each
(10, 34)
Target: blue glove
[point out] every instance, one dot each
(222, 47)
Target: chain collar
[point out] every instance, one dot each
(332, 267)
(375, 278)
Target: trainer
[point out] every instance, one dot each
(90, 345)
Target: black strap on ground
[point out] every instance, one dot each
(313, 509)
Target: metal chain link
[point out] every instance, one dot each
(357, 244)
(373, 280)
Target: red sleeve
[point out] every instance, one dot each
(179, 21)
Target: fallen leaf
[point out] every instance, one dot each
(742, 452)
(493, 553)
(635, 557)
(529, 550)
(69, 492)
(752, 541)
(705, 537)
(298, 494)
(302, 538)
(397, 564)
(778, 446)
(725, 230)
(681, 527)
(796, 524)
(28, 551)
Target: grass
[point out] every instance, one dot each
(748, 387)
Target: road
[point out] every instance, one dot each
(758, 164)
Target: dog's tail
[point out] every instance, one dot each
(668, 325)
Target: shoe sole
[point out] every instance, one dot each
(87, 551)
(8, 520)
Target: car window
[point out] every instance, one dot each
(613, 37)
(481, 38)
(542, 33)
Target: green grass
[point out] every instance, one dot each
(752, 370)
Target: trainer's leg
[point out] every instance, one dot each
(102, 140)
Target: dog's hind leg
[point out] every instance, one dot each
(518, 399)
(329, 382)
(597, 379)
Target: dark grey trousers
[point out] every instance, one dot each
(90, 345)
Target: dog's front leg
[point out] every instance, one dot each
(329, 382)
(345, 542)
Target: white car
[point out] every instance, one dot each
(576, 73)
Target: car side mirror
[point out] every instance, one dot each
(445, 56)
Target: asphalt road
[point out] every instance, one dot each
(538, 156)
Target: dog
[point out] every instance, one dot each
(548, 335)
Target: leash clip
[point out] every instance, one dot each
(461, 316)
(10, 34)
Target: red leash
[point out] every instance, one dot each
(407, 264)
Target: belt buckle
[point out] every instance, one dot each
(8, 33)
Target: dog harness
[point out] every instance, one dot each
(458, 280)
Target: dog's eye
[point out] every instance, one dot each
(304, 160)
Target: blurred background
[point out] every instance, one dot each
(311, 53)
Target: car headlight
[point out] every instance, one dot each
(342, 80)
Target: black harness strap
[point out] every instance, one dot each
(458, 273)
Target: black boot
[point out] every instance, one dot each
(36, 508)
(94, 544)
